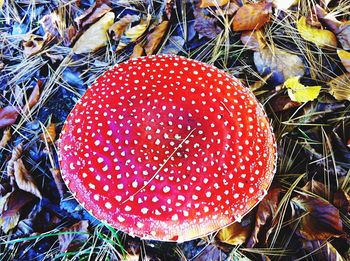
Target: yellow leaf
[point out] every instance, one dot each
(119, 27)
(96, 36)
(208, 3)
(320, 37)
(137, 52)
(132, 34)
(299, 92)
(234, 234)
(340, 87)
(345, 58)
(154, 38)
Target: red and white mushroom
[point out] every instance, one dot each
(167, 148)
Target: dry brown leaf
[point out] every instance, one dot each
(8, 115)
(34, 96)
(119, 27)
(16, 154)
(49, 134)
(317, 188)
(265, 214)
(322, 250)
(79, 235)
(92, 14)
(260, 83)
(155, 37)
(96, 36)
(340, 87)
(32, 44)
(230, 9)
(254, 40)
(58, 181)
(134, 33)
(204, 25)
(342, 200)
(213, 3)
(252, 16)
(282, 103)
(138, 51)
(169, 7)
(6, 136)
(69, 35)
(319, 219)
(235, 234)
(24, 180)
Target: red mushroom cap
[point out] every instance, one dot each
(167, 148)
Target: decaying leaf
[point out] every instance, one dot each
(10, 205)
(281, 64)
(134, 33)
(16, 154)
(174, 45)
(79, 234)
(6, 136)
(342, 200)
(284, 4)
(138, 51)
(255, 40)
(340, 87)
(299, 92)
(69, 35)
(235, 234)
(24, 180)
(119, 27)
(96, 36)
(320, 37)
(345, 58)
(265, 214)
(58, 181)
(34, 96)
(210, 252)
(205, 25)
(317, 188)
(32, 44)
(49, 134)
(155, 37)
(8, 116)
(208, 3)
(52, 24)
(322, 250)
(92, 14)
(319, 219)
(252, 16)
(282, 103)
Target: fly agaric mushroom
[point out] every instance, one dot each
(167, 148)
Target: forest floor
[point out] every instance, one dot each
(294, 55)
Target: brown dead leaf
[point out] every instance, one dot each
(32, 44)
(16, 154)
(79, 234)
(155, 37)
(49, 134)
(322, 250)
(96, 36)
(34, 96)
(260, 83)
(254, 40)
(119, 27)
(235, 234)
(8, 115)
(213, 3)
(342, 200)
(6, 136)
(205, 25)
(58, 181)
(339, 87)
(265, 214)
(230, 9)
(169, 7)
(138, 51)
(317, 188)
(24, 180)
(70, 35)
(283, 103)
(10, 205)
(92, 14)
(319, 219)
(252, 16)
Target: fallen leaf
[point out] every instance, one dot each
(341, 200)
(49, 134)
(79, 235)
(8, 116)
(265, 214)
(319, 220)
(155, 37)
(96, 36)
(138, 51)
(58, 181)
(1, 3)
(16, 154)
(230, 9)
(213, 3)
(317, 188)
(10, 205)
(210, 252)
(205, 25)
(24, 180)
(322, 250)
(284, 4)
(320, 37)
(252, 16)
(169, 7)
(32, 44)
(119, 27)
(339, 87)
(345, 58)
(299, 92)
(174, 46)
(34, 96)
(254, 40)
(235, 234)
(69, 35)
(281, 64)
(343, 35)
(134, 33)
(52, 24)
(6, 136)
(260, 83)
(283, 103)
(92, 14)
